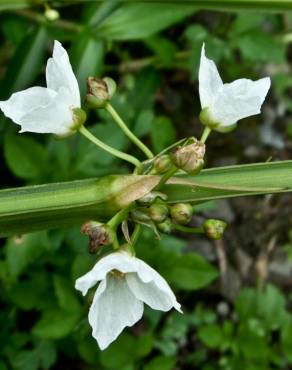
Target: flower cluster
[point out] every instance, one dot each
(126, 282)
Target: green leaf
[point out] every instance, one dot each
(140, 20)
(25, 157)
(191, 271)
(86, 56)
(14, 4)
(161, 363)
(211, 335)
(286, 337)
(55, 324)
(67, 297)
(43, 356)
(162, 133)
(22, 251)
(26, 62)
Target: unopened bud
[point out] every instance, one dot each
(189, 158)
(100, 91)
(152, 197)
(140, 216)
(165, 226)
(181, 213)
(98, 233)
(162, 163)
(214, 229)
(52, 14)
(158, 212)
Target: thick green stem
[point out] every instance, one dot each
(166, 177)
(192, 230)
(109, 149)
(205, 134)
(127, 131)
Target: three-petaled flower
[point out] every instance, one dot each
(225, 104)
(126, 284)
(55, 109)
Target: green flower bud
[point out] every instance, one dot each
(52, 14)
(99, 234)
(181, 213)
(152, 197)
(158, 212)
(189, 158)
(162, 163)
(165, 226)
(100, 91)
(140, 216)
(214, 229)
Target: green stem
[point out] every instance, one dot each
(205, 134)
(115, 221)
(166, 176)
(127, 131)
(185, 229)
(136, 233)
(109, 149)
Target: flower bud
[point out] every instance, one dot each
(189, 158)
(166, 226)
(158, 212)
(98, 233)
(140, 216)
(152, 197)
(162, 163)
(181, 213)
(52, 14)
(214, 229)
(100, 91)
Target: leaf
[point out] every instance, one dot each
(86, 56)
(211, 335)
(43, 356)
(67, 297)
(55, 324)
(26, 62)
(24, 250)
(14, 4)
(25, 157)
(161, 363)
(191, 272)
(140, 20)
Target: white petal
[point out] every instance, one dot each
(120, 261)
(152, 288)
(113, 308)
(59, 74)
(38, 109)
(151, 294)
(239, 99)
(209, 80)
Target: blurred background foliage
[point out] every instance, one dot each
(235, 293)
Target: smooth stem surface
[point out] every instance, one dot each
(109, 149)
(205, 135)
(192, 230)
(128, 132)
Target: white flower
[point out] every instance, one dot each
(224, 104)
(47, 110)
(126, 284)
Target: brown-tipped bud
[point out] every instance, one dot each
(166, 226)
(162, 163)
(181, 213)
(214, 229)
(158, 212)
(100, 91)
(99, 234)
(189, 158)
